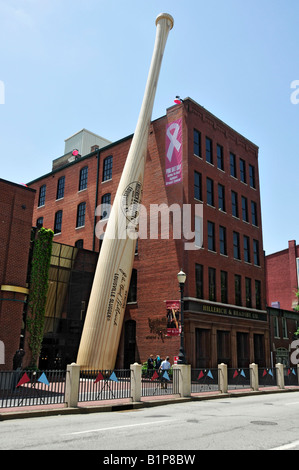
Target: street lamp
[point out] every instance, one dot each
(182, 278)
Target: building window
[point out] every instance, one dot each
(276, 327)
(212, 284)
(209, 151)
(233, 169)
(60, 187)
(211, 236)
(220, 162)
(197, 143)
(221, 197)
(244, 209)
(248, 292)
(132, 294)
(81, 214)
(242, 171)
(107, 168)
(223, 281)
(284, 328)
(105, 205)
(246, 244)
(79, 243)
(235, 208)
(58, 222)
(254, 220)
(258, 295)
(238, 292)
(252, 176)
(42, 196)
(222, 239)
(40, 222)
(197, 186)
(199, 281)
(256, 254)
(236, 242)
(83, 178)
(210, 192)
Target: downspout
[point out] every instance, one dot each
(96, 201)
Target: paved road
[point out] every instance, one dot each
(243, 423)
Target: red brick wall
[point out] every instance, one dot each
(221, 134)
(281, 277)
(16, 206)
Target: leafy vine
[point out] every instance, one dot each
(38, 291)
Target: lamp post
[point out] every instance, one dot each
(182, 278)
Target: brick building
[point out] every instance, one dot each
(16, 209)
(224, 294)
(282, 277)
(282, 283)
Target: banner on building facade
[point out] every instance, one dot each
(173, 318)
(173, 147)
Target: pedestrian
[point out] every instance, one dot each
(150, 365)
(165, 366)
(157, 362)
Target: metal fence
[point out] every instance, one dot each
(29, 388)
(154, 383)
(291, 377)
(104, 384)
(238, 378)
(204, 380)
(267, 377)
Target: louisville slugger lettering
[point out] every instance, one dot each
(104, 318)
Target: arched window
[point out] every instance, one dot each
(42, 196)
(83, 178)
(105, 205)
(81, 214)
(79, 243)
(58, 222)
(107, 168)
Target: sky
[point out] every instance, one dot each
(66, 65)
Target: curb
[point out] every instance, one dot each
(30, 413)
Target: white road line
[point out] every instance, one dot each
(118, 427)
(287, 446)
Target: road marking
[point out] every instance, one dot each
(287, 446)
(119, 427)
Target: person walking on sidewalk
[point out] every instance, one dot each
(165, 366)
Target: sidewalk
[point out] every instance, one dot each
(126, 403)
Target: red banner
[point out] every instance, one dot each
(173, 313)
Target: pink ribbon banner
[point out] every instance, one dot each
(173, 163)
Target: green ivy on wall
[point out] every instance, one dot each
(38, 291)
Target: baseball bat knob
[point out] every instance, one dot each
(167, 17)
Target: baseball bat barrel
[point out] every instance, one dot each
(105, 313)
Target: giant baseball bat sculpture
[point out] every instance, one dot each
(104, 318)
